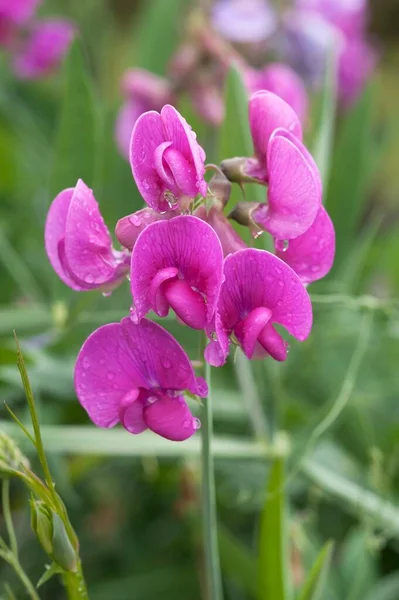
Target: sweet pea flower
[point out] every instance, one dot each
(14, 14)
(78, 243)
(311, 255)
(347, 15)
(43, 50)
(177, 264)
(244, 21)
(168, 164)
(282, 81)
(136, 374)
(128, 228)
(143, 91)
(259, 290)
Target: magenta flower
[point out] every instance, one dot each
(295, 189)
(143, 91)
(167, 161)
(282, 81)
(259, 290)
(78, 243)
(128, 228)
(177, 264)
(43, 50)
(268, 112)
(228, 237)
(246, 21)
(18, 11)
(137, 375)
(311, 255)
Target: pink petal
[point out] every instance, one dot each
(44, 49)
(186, 243)
(229, 238)
(131, 412)
(171, 418)
(311, 255)
(160, 359)
(105, 374)
(128, 228)
(54, 235)
(295, 188)
(127, 117)
(88, 245)
(18, 11)
(268, 112)
(248, 330)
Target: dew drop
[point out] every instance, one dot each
(166, 362)
(281, 245)
(107, 294)
(257, 233)
(110, 375)
(315, 268)
(151, 400)
(196, 423)
(89, 278)
(86, 363)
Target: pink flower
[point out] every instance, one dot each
(44, 49)
(78, 243)
(259, 290)
(177, 264)
(18, 11)
(143, 91)
(167, 161)
(137, 375)
(311, 255)
(282, 81)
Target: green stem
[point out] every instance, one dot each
(212, 563)
(16, 565)
(75, 584)
(5, 498)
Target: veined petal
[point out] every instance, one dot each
(186, 243)
(295, 190)
(311, 255)
(268, 112)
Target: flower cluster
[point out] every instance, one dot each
(36, 45)
(181, 253)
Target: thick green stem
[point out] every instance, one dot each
(212, 563)
(75, 585)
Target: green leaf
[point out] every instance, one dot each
(235, 137)
(350, 173)
(316, 581)
(75, 144)
(26, 320)
(386, 589)
(158, 33)
(322, 147)
(237, 562)
(273, 579)
(50, 571)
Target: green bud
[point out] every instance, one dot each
(42, 524)
(236, 169)
(220, 188)
(11, 458)
(63, 551)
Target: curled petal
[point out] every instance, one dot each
(128, 228)
(311, 255)
(256, 279)
(295, 188)
(185, 243)
(166, 157)
(268, 112)
(171, 418)
(44, 49)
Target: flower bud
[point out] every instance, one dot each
(242, 213)
(42, 524)
(237, 169)
(220, 189)
(63, 552)
(11, 458)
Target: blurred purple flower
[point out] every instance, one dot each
(177, 264)
(44, 48)
(166, 159)
(136, 374)
(246, 21)
(18, 11)
(259, 290)
(78, 243)
(143, 91)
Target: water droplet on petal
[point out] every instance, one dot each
(107, 294)
(151, 399)
(196, 423)
(281, 245)
(89, 278)
(86, 363)
(110, 375)
(165, 362)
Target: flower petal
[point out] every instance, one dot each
(159, 358)
(268, 112)
(128, 228)
(311, 255)
(295, 188)
(131, 412)
(105, 374)
(127, 117)
(229, 238)
(171, 418)
(88, 244)
(185, 242)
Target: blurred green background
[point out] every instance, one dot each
(135, 509)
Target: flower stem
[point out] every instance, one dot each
(212, 563)
(16, 565)
(5, 499)
(75, 585)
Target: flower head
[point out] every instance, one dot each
(45, 47)
(78, 243)
(311, 255)
(244, 20)
(167, 161)
(178, 264)
(136, 374)
(143, 91)
(282, 81)
(259, 290)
